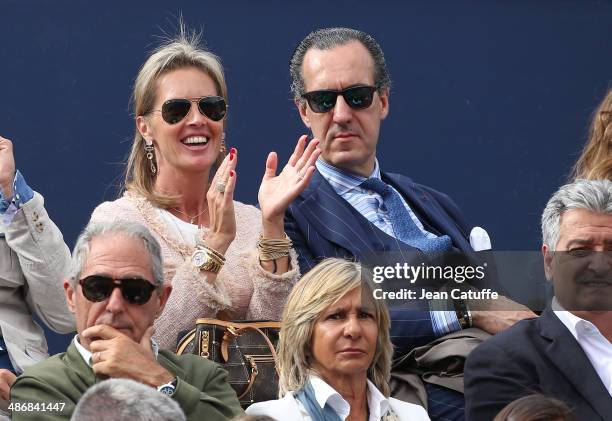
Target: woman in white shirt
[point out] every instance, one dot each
(335, 352)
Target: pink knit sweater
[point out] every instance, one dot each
(242, 289)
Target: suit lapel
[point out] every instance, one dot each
(337, 221)
(565, 352)
(426, 207)
(80, 369)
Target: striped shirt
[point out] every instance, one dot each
(371, 205)
(368, 203)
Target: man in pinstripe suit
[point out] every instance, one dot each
(341, 88)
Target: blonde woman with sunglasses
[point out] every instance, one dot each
(225, 259)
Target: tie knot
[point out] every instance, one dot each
(376, 185)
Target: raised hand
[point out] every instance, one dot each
(116, 355)
(276, 192)
(7, 167)
(220, 198)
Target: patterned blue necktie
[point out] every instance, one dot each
(404, 227)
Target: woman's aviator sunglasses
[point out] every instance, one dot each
(98, 288)
(174, 110)
(357, 97)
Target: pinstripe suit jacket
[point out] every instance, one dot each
(323, 224)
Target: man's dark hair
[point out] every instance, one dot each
(535, 407)
(328, 38)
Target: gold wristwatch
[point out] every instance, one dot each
(204, 260)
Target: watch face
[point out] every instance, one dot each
(199, 258)
(167, 390)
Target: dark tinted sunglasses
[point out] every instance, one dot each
(357, 97)
(98, 288)
(174, 110)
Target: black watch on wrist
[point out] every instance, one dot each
(168, 389)
(463, 313)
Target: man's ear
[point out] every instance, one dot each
(302, 107)
(548, 255)
(384, 103)
(70, 296)
(162, 296)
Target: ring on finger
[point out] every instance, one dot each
(220, 186)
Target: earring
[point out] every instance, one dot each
(223, 148)
(150, 154)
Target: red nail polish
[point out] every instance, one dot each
(231, 156)
(233, 151)
(232, 173)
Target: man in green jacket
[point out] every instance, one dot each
(116, 290)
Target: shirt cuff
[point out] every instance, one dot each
(22, 193)
(444, 322)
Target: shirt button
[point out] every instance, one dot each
(39, 227)
(35, 216)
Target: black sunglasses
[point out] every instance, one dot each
(357, 97)
(174, 110)
(98, 288)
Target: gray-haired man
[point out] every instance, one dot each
(567, 351)
(116, 291)
(126, 400)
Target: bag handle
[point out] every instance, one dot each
(254, 373)
(260, 324)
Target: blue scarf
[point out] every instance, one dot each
(306, 396)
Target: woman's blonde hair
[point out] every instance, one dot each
(323, 286)
(181, 52)
(595, 162)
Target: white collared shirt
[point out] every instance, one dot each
(378, 405)
(288, 408)
(87, 355)
(596, 347)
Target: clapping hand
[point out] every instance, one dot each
(220, 198)
(278, 191)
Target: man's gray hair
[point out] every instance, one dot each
(591, 195)
(129, 228)
(328, 38)
(126, 400)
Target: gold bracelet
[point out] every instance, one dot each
(207, 259)
(273, 248)
(202, 245)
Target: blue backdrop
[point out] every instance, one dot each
(490, 101)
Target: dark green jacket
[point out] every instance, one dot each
(202, 391)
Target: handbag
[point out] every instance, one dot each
(246, 349)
